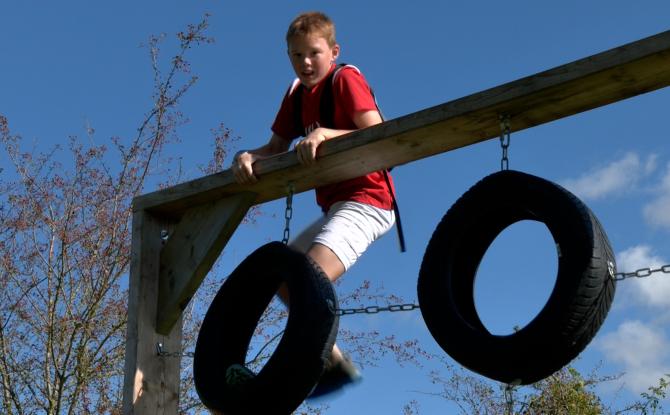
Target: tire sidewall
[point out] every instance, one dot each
(448, 270)
(298, 360)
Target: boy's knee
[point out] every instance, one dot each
(328, 261)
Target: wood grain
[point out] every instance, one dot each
(588, 83)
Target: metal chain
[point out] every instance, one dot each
(619, 276)
(288, 214)
(641, 273)
(161, 352)
(373, 309)
(505, 137)
(337, 311)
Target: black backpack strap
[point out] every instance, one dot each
(327, 104)
(396, 210)
(326, 114)
(327, 111)
(295, 93)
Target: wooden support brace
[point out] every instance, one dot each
(207, 210)
(579, 86)
(151, 384)
(191, 250)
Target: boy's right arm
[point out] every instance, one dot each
(243, 161)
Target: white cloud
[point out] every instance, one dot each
(642, 350)
(653, 291)
(617, 177)
(657, 212)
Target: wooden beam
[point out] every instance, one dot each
(607, 77)
(151, 383)
(191, 250)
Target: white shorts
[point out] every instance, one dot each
(347, 229)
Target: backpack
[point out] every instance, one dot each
(326, 113)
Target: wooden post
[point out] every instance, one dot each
(210, 208)
(170, 257)
(565, 90)
(151, 384)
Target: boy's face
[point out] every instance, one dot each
(311, 57)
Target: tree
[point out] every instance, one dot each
(566, 392)
(65, 250)
(650, 403)
(64, 255)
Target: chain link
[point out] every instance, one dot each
(372, 309)
(288, 214)
(505, 138)
(641, 273)
(619, 276)
(161, 352)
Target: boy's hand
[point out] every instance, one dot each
(242, 168)
(306, 148)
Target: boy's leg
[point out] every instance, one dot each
(340, 371)
(302, 243)
(335, 242)
(327, 260)
(333, 267)
(349, 229)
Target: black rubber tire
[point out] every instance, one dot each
(576, 308)
(298, 360)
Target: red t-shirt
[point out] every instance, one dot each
(351, 94)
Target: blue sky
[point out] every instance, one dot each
(72, 64)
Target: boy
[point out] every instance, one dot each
(356, 211)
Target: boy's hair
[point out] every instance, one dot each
(312, 22)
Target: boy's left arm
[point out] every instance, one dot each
(307, 148)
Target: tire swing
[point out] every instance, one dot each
(298, 360)
(576, 308)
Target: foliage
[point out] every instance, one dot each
(65, 251)
(65, 229)
(64, 257)
(566, 392)
(651, 402)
